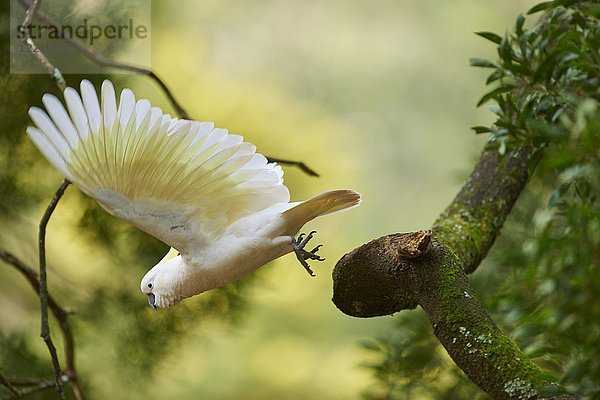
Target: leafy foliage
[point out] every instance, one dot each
(543, 76)
(553, 71)
(544, 288)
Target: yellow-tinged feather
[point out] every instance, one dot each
(146, 167)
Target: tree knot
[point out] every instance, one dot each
(414, 244)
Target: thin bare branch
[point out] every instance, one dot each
(54, 72)
(100, 59)
(61, 316)
(298, 164)
(8, 385)
(45, 328)
(26, 382)
(33, 387)
(43, 290)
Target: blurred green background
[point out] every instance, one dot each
(375, 96)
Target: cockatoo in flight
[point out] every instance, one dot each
(222, 208)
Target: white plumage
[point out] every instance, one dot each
(202, 191)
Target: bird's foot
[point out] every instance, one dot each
(303, 255)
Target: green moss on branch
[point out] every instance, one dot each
(470, 336)
(378, 279)
(471, 223)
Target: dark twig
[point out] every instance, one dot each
(52, 70)
(27, 382)
(298, 164)
(43, 289)
(8, 385)
(33, 387)
(61, 316)
(99, 59)
(45, 330)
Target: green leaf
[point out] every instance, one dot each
(539, 7)
(519, 26)
(372, 344)
(495, 109)
(574, 372)
(481, 129)
(481, 62)
(537, 351)
(536, 156)
(501, 133)
(563, 3)
(568, 56)
(494, 76)
(575, 172)
(557, 195)
(550, 390)
(505, 51)
(490, 36)
(557, 113)
(490, 95)
(502, 148)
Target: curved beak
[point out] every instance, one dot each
(151, 301)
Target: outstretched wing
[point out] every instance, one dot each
(181, 181)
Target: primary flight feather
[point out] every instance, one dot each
(221, 206)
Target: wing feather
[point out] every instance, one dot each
(109, 104)
(60, 118)
(92, 107)
(77, 112)
(47, 149)
(181, 181)
(48, 129)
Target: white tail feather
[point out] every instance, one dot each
(326, 203)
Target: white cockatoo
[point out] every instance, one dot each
(222, 208)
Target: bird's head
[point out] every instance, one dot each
(162, 284)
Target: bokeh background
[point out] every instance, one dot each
(375, 96)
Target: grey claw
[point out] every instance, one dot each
(303, 255)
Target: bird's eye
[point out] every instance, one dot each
(150, 285)
(178, 254)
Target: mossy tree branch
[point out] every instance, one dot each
(471, 223)
(545, 86)
(429, 269)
